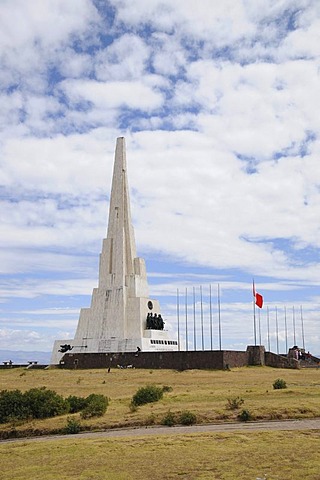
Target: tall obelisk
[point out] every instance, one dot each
(121, 317)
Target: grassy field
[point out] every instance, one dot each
(278, 455)
(205, 393)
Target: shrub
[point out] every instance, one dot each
(245, 416)
(13, 406)
(73, 426)
(45, 403)
(96, 406)
(169, 419)
(234, 403)
(76, 404)
(187, 418)
(148, 394)
(279, 384)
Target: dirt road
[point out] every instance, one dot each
(305, 424)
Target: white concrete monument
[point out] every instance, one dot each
(122, 317)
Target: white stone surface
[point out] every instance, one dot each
(116, 318)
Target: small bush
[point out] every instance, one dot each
(13, 406)
(73, 426)
(234, 403)
(76, 404)
(169, 419)
(245, 416)
(148, 394)
(96, 406)
(187, 418)
(45, 403)
(279, 384)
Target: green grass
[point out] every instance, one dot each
(205, 393)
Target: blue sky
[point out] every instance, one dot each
(218, 102)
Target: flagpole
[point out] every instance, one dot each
(277, 330)
(302, 327)
(210, 304)
(268, 324)
(294, 326)
(254, 313)
(186, 319)
(286, 327)
(201, 306)
(219, 313)
(259, 320)
(178, 317)
(194, 320)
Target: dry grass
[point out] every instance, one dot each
(241, 456)
(205, 393)
(229, 456)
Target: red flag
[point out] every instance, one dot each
(259, 300)
(257, 296)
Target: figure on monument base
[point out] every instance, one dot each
(155, 322)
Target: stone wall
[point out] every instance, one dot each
(279, 361)
(168, 360)
(216, 359)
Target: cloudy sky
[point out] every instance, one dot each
(218, 102)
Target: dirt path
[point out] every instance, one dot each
(306, 424)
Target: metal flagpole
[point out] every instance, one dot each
(302, 327)
(219, 316)
(268, 325)
(194, 320)
(186, 319)
(210, 301)
(294, 326)
(201, 317)
(259, 319)
(254, 313)
(277, 330)
(178, 317)
(285, 327)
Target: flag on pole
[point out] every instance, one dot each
(257, 296)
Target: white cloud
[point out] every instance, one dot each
(217, 102)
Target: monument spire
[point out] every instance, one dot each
(120, 230)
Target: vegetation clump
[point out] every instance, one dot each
(73, 426)
(245, 415)
(13, 406)
(234, 403)
(96, 406)
(44, 403)
(187, 418)
(41, 403)
(169, 419)
(147, 394)
(279, 384)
